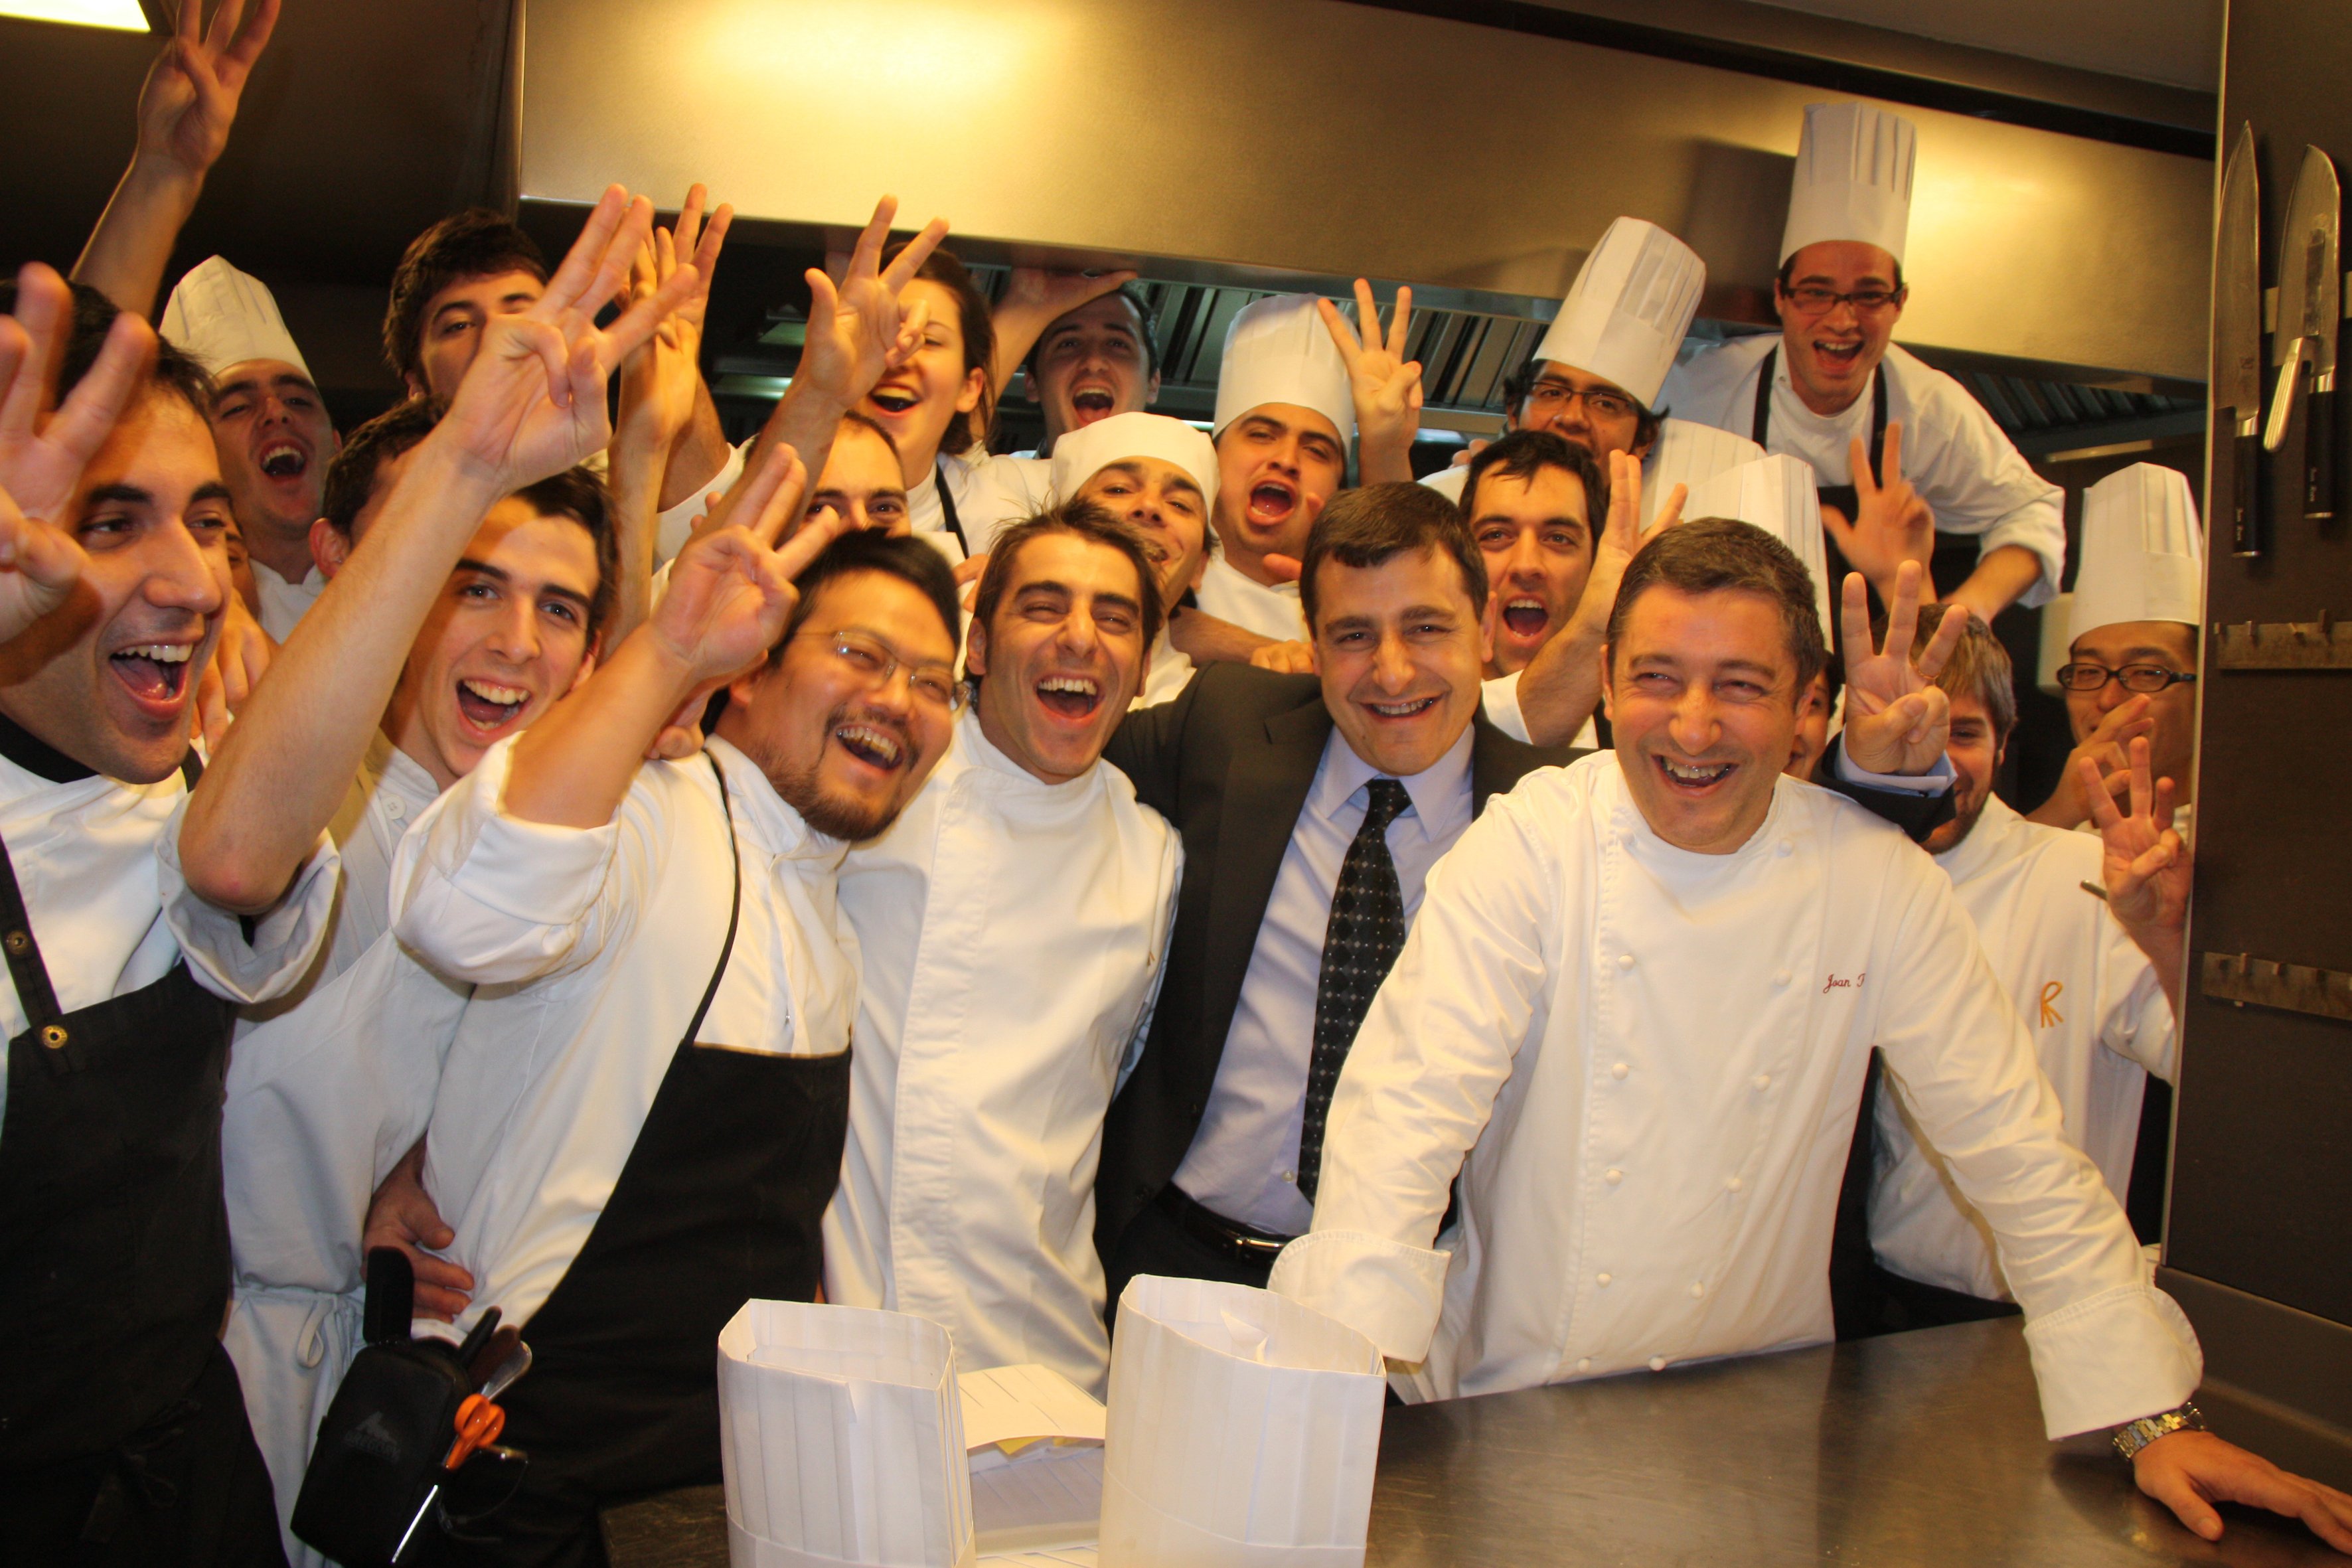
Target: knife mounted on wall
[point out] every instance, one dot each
(2304, 347)
(2231, 501)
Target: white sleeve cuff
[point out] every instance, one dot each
(1935, 781)
(284, 942)
(1500, 697)
(2039, 527)
(1385, 1290)
(2125, 1353)
(673, 528)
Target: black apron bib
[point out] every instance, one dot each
(122, 1425)
(719, 1202)
(948, 509)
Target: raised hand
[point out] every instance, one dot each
(1386, 385)
(39, 564)
(730, 590)
(660, 377)
(1037, 296)
(1621, 535)
(2103, 750)
(43, 452)
(191, 94)
(856, 332)
(1891, 524)
(532, 403)
(1897, 720)
(2146, 868)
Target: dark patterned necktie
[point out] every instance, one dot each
(1360, 943)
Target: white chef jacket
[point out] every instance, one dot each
(328, 1087)
(1270, 611)
(1244, 1161)
(1963, 466)
(1685, 453)
(98, 861)
(991, 493)
(284, 604)
(1011, 935)
(1172, 671)
(1652, 1059)
(1500, 698)
(2091, 1004)
(599, 943)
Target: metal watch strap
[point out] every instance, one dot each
(2134, 1436)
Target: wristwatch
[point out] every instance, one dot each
(2134, 1436)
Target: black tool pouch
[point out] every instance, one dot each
(380, 1448)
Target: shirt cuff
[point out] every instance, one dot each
(1935, 781)
(2114, 1357)
(2039, 529)
(1500, 697)
(254, 960)
(1385, 1290)
(673, 528)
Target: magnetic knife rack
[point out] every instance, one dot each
(2242, 980)
(2322, 644)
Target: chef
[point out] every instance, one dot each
(2095, 980)
(1595, 377)
(1285, 418)
(2131, 666)
(1010, 927)
(1833, 384)
(1531, 501)
(269, 422)
(1639, 997)
(1158, 476)
(1086, 347)
(641, 1127)
(118, 1408)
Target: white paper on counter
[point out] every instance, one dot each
(1243, 1430)
(1065, 1557)
(1022, 1404)
(841, 1437)
(1036, 1440)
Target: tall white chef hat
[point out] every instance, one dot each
(222, 317)
(1777, 495)
(1625, 315)
(1853, 179)
(2143, 552)
(1279, 351)
(1080, 454)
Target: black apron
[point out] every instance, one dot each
(720, 1203)
(123, 1432)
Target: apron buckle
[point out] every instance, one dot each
(53, 1036)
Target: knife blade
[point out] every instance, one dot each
(2313, 218)
(2231, 498)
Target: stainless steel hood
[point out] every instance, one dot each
(1282, 142)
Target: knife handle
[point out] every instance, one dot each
(2319, 456)
(2231, 501)
(2246, 479)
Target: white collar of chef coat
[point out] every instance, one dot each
(1440, 792)
(313, 580)
(1771, 835)
(1986, 842)
(984, 754)
(403, 775)
(20, 784)
(761, 816)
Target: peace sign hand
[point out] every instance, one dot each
(43, 453)
(1896, 720)
(532, 403)
(1890, 524)
(190, 98)
(857, 332)
(2147, 866)
(1620, 537)
(659, 379)
(730, 590)
(1385, 386)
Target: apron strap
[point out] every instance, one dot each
(734, 907)
(1760, 428)
(948, 508)
(1878, 423)
(38, 997)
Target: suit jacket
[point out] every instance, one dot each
(1229, 762)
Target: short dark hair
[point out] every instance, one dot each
(1522, 380)
(978, 330)
(1366, 526)
(1979, 668)
(578, 494)
(476, 243)
(350, 477)
(1086, 520)
(1146, 327)
(173, 370)
(1788, 270)
(1717, 554)
(910, 560)
(867, 422)
(1522, 454)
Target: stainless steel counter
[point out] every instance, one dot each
(1914, 1451)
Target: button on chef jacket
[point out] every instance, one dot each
(1270, 611)
(2091, 1004)
(1012, 934)
(1652, 1058)
(1966, 471)
(98, 861)
(1685, 453)
(600, 942)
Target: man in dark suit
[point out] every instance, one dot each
(1288, 788)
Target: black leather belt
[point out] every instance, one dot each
(1245, 1243)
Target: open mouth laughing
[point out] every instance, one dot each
(488, 706)
(1838, 357)
(894, 400)
(155, 673)
(1694, 779)
(872, 746)
(1271, 504)
(1091, 402)
(283, 460)
(1524, 617)
(1073, 698)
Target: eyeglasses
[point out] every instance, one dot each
(1813, 300)
(2140, 677)
(1551, 397)
(934, 685)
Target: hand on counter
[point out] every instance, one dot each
(2189, 1472)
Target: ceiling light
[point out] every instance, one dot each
(124, 16)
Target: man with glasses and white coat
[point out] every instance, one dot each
(1901, 450)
